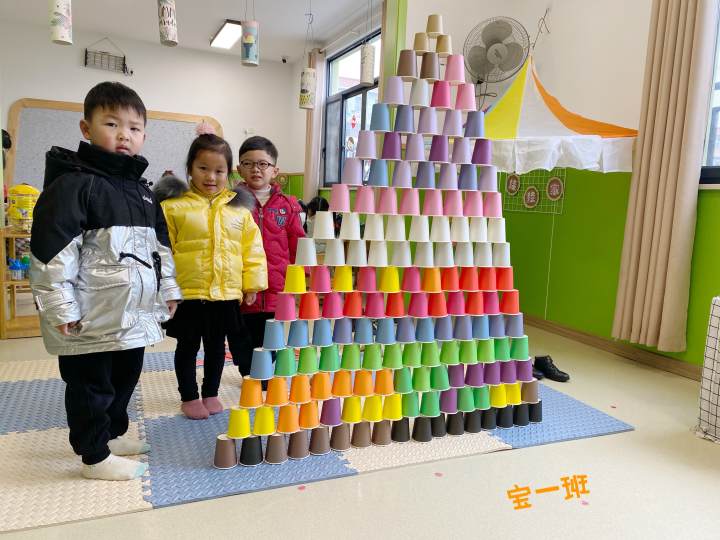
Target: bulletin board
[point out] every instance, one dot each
(35, 125)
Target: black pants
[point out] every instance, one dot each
(200, 320)
(99, 387)
(242, 343)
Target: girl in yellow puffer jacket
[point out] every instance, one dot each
(219, 261)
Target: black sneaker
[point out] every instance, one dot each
(538, 374)
(549, 369)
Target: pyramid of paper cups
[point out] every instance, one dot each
(412, 313)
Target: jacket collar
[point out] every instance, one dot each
(221, 198)
(130, 167)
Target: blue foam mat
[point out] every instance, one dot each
(564, 419)
(181, 464)
(39, 405)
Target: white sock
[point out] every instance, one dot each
(125, 446)
(114, 468)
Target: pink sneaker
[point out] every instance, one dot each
(213, 405)
(194, 409)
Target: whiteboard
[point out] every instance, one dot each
(35, 127)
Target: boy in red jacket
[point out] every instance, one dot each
(278, 216)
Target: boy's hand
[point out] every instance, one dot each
(250, 298)
(172, 307)
(64, 329)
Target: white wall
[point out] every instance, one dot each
(592, 61)
(262, 99)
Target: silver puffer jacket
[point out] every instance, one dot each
(100, 254)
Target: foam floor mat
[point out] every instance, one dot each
(32, 426)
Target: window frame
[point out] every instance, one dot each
(342, 97)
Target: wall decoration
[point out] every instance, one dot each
(541, 181)
(250, 54)
(512, 185)
(555, 189)
(307, 88)
(61, 22)
(167, 22)
(531, 197)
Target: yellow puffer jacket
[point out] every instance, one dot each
(217, 247)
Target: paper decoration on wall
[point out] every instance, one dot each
(250, 54)
(367, 65)
(307, 88)
(531, 197)
(167, 22)
(512, 185)
(555, 189)
(61, 22)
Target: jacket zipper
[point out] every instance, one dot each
(260, 218)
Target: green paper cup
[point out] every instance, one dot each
(430, 404)
(502, 349)
(411, 355)
(285, 363)
(402, 381)
(308, 362)
(439, 378)
(468, 352)
(466, 399)
(410, 405)
(372, 357)
(486, 351)
(519, 349)
(430, 356)
(329, 358)
(482, 397)
(421, 379)
(392, 356)
(350, 357)
(449, 353)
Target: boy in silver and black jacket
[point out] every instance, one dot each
(102, 275)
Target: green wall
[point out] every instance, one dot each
(582, 249)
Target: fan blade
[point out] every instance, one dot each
(496, 32)
(515, 54)
(478, 62)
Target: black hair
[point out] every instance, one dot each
(318, 204)
(6, 140)
(113, 96)
(211, 143)
(259, 143)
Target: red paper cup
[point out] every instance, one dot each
(449, 279)
(437, 306)
(309, 306)
(353, 305)
(474, 303)
(469, 279)
(486, 279)
(395, 305)
(510, 302)
(504, 278)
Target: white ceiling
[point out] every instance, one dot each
(282, 22)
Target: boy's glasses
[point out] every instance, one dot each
(262, 165)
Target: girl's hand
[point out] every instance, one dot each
(250, 298)
(172, 307)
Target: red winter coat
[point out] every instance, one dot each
(279, 222)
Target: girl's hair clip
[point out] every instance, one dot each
(204, 128)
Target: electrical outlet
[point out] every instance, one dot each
(249, 131)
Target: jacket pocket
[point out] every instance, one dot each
(108, 300)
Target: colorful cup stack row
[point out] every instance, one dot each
(378, 305)
(500, 337)
(426, 176)
(426, 124)
(288, 439)
(462, 153)
(399, 255)
(435, 203)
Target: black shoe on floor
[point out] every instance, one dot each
(539, 375)
(549, 369)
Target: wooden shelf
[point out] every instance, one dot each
(22, 327)
(8, 232)
(21, 283)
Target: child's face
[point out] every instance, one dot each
(209, 172)
(257, 169)
(121, 131)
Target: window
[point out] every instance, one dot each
(347, 108)
(711, 158)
